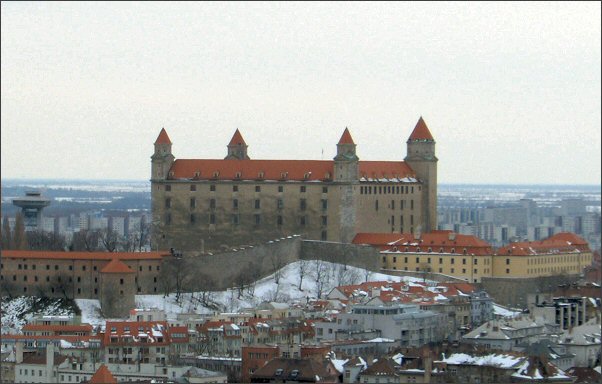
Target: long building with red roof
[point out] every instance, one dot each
(239, 200)
(469, 258)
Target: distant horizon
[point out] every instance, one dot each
(59, 179)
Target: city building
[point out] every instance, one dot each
(198, 203)
(31, 206)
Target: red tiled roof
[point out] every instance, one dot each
(14, 254)
(385, 169)
(237, 139)
(128, 329)
(563, 242)
(58, 328)
(163, 138)
(437, 241)
(116, 266)
(103, 376)
(346, 137)
(286, 170)
(421, 131)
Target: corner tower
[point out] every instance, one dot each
(237, 149)
(346, 162)
(346, 174)
(421, 157)
(162, 159)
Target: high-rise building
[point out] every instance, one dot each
(200, 203)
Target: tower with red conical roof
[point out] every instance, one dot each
(237, 148)
(346, 172)
(162, 158)
(421, 157)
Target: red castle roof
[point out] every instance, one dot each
(237, 139)
(346, 137)
(116, 266)
(163, 138)
(421, 131)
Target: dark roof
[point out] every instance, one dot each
(382, 367)
(306, 370)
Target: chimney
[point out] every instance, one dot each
(418, 232)
(19, 352)
(452, 236)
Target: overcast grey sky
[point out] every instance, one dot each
(510, 91)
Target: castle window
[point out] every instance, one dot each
(83, 267)
(327, 176)
(279, 220)
(464, 251)
(430, 250)
(235, 219)
(324, 204)
(392, 220)
(261, 175)
(257, 219)
(167, 188)
(302, 188)
(192, 187)
(376, 205)
(257, 188)
(283, 175)
(212, 203)
(192, 218)
(453, 260)
(401, 204)
(507, 270)
(302, 204)
(168, 202)
(303, 220)
(411, 204)
(307, 175)
(235, 188)
(212, 188)
(475, 261)
(418, 258)
(192, 202)
(215, 174)
(507, 261)
(235, 203)
(257, 203)
(380, 190)
(212, 218)
(412, 190)
(405, 259)
(464, 261)
(392, 204)
(197, 174)
(238, 174)
(452, 270)
(324, 189)
(324, 220)
(280, 188)
(47, 267)
(324, 235)
(280, 203)
(398, 189)
(168, 219)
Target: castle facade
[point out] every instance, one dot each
(202, 204)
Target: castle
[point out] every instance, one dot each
(200, 204)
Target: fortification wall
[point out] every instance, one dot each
(513, 291)
(362, 256)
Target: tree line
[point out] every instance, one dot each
(97, 240)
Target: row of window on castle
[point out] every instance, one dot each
(212, 188)
(257, 219)
(428, 260)
(70, 267)
(387, 190)
(256, 203)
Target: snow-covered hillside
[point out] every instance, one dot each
(319, 277)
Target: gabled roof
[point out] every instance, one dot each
(440, 241)
(103, 376)
(237, 139)
(421, 131)
(163, 138)
(116, 266)
(563, 242)
(383, 367)
(346, 137)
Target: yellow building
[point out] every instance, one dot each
(470, 258)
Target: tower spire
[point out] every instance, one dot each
(421, 131)
(237, 148)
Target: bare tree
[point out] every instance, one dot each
(63, 283)
(303, 270)
(109, 239)
(7, 238)
(367, 274)
(85, 240)
(322, 276)
(277, 265)
(19, 238)
(176, 275)
(346, 277)
(426, 270)
(46, 241)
